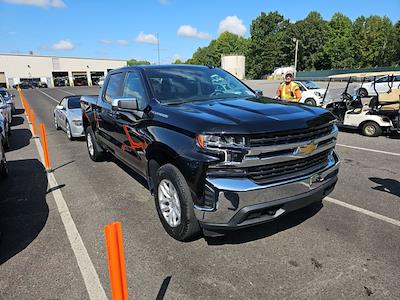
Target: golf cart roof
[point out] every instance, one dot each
(365, 74)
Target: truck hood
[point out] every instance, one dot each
(243, 116)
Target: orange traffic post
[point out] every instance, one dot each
(116, 261)
(33, 121)
(45, 147)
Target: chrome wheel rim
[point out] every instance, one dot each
(169, 203)
(68, 131)
(90, 145)
(370, 130)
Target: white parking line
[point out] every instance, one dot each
(67, 92)
(367, 149)
(54, 99)
(85, 264)
(363, 211)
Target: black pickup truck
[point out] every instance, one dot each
(216, 154)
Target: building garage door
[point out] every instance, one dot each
(95, 76)
(60, 79)
(80, 78)
(3, 80)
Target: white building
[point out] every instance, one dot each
(54, 70)
(234, 64)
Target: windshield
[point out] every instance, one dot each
(185, 84)
(311, 85)
(74, 102)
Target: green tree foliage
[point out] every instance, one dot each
(268, 44)
(134, 62)
(178, 62)
(338, 49)
(311, 34)
(338, 43)
(226, 43)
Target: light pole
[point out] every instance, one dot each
(295, 55)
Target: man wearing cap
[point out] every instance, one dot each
(288, 91)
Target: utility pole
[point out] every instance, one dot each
(158, 49)
(295, 56)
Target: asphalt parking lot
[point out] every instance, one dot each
(326, 251)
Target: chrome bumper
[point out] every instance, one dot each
(236, 198)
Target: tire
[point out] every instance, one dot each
(362, 93)
(310, 101)
(371, 129)
(96, 153)
(3, 167)
(56, 123)
(6, 139)
(68, 131)
(186, 227)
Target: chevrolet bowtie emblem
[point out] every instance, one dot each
(307, 149)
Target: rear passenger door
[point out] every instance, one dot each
(105, 117)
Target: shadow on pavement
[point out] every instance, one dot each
(19, 138)
(387, 185)
(130, 172)
(267, 229)
(163, 288)
(23, 207)
(17, 121)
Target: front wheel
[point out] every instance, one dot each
(371, 129)
(96, 153)
(310, 101)
(69, 133)
(174, 204)
(56, 123)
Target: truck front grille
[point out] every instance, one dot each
(288, 169)
(289, 138)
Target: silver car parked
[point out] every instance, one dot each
(68, 117)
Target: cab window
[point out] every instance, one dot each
(114, 87)
(133, 88)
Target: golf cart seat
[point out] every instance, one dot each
(390, 101)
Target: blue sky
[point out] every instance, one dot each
(127, 29)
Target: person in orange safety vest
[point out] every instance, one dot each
(288, 91)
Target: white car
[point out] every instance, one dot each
(311, 93)
(101, 81)
(68, 117)
(382, 85)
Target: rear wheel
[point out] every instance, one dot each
(174, 204)
(310, 101)
(362, 93)
(371, 129)
(96, 153)
(3, 164)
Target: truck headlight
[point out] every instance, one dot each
(77, 122)
(205, 141)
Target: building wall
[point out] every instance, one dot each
(31, 66)
(234, 64)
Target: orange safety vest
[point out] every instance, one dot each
(290, 94)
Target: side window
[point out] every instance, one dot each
(302, 88)
(134, 88)
(114, 87)
(382, 79)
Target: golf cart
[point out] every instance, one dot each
(372, 115)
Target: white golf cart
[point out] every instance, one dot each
(372, 115)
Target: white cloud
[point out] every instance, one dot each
(163, 2)
(232, 24)
(190, 31)
(122, 42)
(39, 3)
(105, 42)
(63, 45)
(146, 38)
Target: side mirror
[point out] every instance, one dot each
(60, 107)
(125, 104)
(259, 93)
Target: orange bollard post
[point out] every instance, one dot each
(33, 121)
(45, 147)
(116, 261)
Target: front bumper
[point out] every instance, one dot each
(77, 130)
(241, 202)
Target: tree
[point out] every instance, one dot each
(338, 50)
(396, 42)
(178, 62)
(134, 62)
(268, 46)
(226, 43)
(375, 41)
(311, 33)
